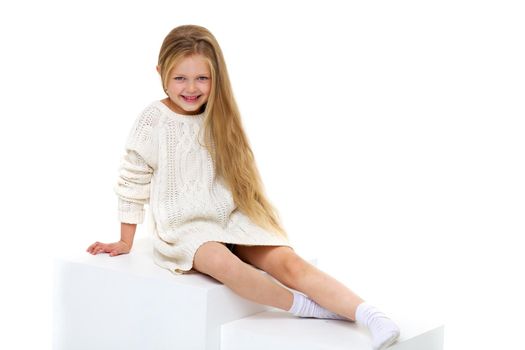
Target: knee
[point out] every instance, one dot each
(214, 259)
(294, 268)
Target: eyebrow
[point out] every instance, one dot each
(199, 74)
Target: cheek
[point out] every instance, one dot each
(171, 87)
(175, 90)
(206, 89)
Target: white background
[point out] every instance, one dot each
(389, 135)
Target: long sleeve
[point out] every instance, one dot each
(133, 188)
(136, 169)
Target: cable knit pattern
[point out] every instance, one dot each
(167, 167)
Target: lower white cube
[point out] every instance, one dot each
(280, 330)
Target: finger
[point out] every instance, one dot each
(100, 249)
(93, 247)
(114, 253)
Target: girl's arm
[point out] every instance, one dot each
(133, 185)
(127, 232)
(137, 168)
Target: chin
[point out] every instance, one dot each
(192, 109)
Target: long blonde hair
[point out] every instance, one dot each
(224, 135)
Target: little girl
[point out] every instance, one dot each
(187, 156)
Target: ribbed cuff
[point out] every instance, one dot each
(131, 217)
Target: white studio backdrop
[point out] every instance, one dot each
(389, 134)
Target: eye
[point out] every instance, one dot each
(178, 78)
(203, 78)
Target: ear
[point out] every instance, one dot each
(158, 69)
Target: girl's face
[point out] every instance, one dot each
(189, 85)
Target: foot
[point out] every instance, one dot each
(306, 307)
(383, 330)
(384, 333)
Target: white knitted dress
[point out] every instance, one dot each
(166, 167)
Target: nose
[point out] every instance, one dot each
(190, 87)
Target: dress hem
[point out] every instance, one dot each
(183, 268)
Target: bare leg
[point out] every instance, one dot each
(327, 291)
(217, 261)
(296, 273)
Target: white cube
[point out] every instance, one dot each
(128, 302)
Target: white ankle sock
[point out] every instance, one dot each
(305, 307)
(383, 330)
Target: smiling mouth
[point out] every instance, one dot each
(191, 98)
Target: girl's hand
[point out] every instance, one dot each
(113, 249)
